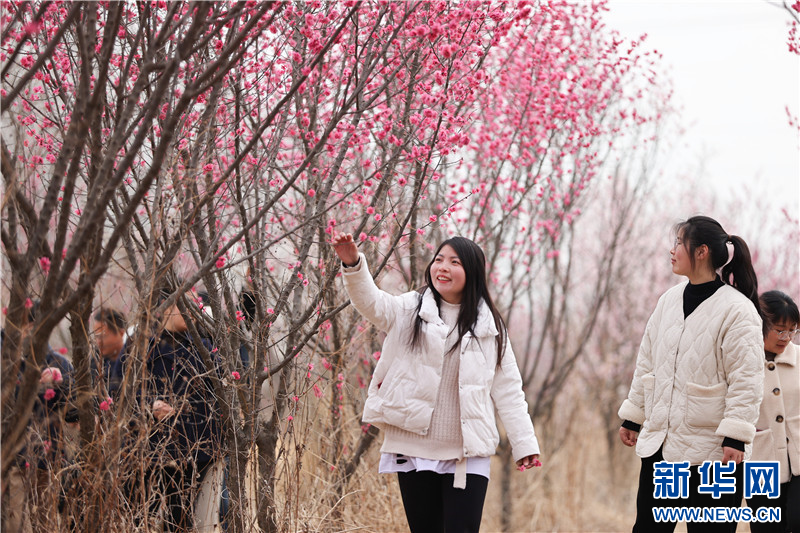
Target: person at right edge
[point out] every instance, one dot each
(778, 427)
(699, 373)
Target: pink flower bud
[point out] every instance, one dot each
(49, 394)
(51, 375)
(235, 375)
(104, 405)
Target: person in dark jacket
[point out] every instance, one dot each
(186, 434)
(111, 339)
(43, 455)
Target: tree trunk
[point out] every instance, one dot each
(507, 463)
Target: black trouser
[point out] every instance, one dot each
(433, 505)
(645, 522)
(180, 486)
(788, 501)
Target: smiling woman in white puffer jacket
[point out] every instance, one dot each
(446, 365)
(699, 373)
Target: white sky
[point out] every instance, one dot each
(733, 78)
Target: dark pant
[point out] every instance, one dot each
(180, 485)
(645, 522)
(788, 501)
(433, 505)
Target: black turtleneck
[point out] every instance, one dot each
(694, 295)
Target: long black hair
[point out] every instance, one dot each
(777, 307)
(476, 289)
(738, 273)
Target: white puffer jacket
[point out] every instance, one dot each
(403, 389)
(699, 379)
(778, 427)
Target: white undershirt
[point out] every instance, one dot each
(392, 463)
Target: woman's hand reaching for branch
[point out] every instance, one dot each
(345, 247)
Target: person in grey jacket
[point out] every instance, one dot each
(699, 374)
(778, 427)
(446, 365)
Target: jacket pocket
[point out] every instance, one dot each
(705, 405)
(763, 446)
(648, 390)
(394, 393)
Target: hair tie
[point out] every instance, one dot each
(729, 246)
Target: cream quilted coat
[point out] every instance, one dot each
(403, 388)
(697, 380)
(778, 427)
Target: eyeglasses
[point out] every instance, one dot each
(786, 334)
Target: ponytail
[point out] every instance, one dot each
(739, 273)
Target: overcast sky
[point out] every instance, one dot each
(733, 78)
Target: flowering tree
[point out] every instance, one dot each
(793, 42)
(566, 101)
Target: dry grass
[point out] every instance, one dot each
(571, 492)
(583, 486)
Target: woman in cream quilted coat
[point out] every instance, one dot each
(699, 372)
(778, 427)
